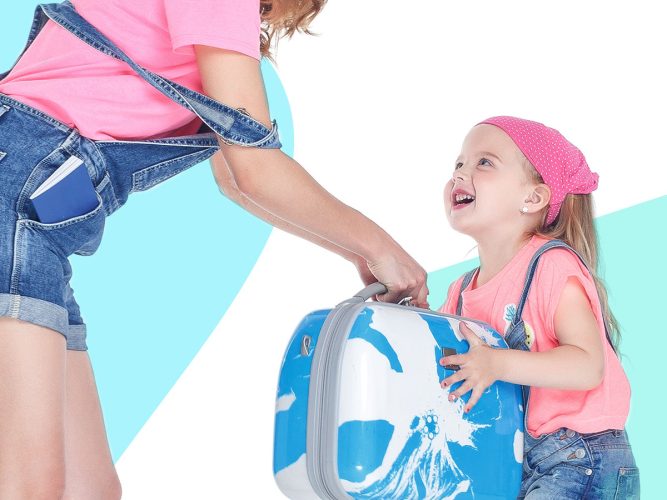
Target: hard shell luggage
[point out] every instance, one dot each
(360, 412)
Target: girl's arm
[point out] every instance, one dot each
(276, 188)
(577, 363)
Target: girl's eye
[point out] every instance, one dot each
(458, 165)
(485, 162)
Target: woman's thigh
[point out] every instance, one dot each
(32, 395)
(90, 469)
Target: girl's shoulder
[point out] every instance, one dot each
(556, 267)
(559, 261)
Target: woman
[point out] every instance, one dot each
(85, 87)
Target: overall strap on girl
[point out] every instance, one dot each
(467, 278)
(516, 333)
(515, 336)
(232, 125)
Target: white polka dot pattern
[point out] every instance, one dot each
(560, 163)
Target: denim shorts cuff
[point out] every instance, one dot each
(76, 338)
(36, 311)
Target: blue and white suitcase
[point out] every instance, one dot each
(360, 412)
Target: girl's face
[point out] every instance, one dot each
(489, 184)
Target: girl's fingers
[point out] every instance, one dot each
(451, 380)
(474, 397)
(454, 359)
(465, 387)
(469, 335)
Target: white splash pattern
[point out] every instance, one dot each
(284, 403)
(416, 463)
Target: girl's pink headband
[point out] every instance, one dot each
(560, 163)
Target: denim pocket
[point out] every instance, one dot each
(627, 486)
(80, 235)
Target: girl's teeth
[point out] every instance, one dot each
(464, 197)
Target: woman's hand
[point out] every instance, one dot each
(399, 273)
(402, 276)
(477, 370)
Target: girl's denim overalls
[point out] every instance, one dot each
(566, 464)
(34, 266)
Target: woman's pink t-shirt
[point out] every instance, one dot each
(103, 97)
(606, 406)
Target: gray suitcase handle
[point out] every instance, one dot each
(370, 291)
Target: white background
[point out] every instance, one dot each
(381, 102)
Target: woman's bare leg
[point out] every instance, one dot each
(32, 411)
(90, 473)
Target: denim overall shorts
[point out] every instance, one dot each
(566, 464)
(34, 268)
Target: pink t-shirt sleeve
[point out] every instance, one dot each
(556, 267)
(224, 24)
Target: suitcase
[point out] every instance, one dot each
(360, 412)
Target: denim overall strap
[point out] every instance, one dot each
(467, 278)
(234, 126)
(530, 273)
(516, 333)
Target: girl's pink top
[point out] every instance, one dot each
(103, 97)
(601, 408)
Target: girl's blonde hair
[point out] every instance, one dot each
(282, 18)
(575, 226)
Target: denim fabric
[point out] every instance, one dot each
(569, 465)
(34, 265)
(233, 125)
(34, 257)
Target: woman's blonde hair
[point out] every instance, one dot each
(283, 18)
(575, 226)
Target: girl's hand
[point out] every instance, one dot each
(477, 368)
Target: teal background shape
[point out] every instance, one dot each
(170, 264)
(633, 267)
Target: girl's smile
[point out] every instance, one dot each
(489, 184)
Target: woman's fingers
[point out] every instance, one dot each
(421, 299)
(402, 276)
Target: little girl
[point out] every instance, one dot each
(522, 191)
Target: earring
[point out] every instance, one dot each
(524, 210)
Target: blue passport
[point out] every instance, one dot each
(67, 193)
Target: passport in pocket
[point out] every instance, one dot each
(67, 193)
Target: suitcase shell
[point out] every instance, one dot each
(360, 412)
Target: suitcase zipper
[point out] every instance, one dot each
(322, 433)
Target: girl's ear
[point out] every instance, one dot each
(538, 198)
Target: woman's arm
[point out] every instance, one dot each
(228, 187)
(275, 187)
(577, 363)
